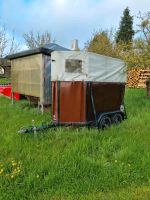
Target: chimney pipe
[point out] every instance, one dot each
(74, 45)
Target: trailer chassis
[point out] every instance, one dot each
(103, 121)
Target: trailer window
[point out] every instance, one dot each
(73, 66)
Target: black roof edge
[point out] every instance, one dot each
(30, 52)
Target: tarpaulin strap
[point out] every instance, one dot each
(93, 105)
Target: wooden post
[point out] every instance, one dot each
(12, 98)
(148, 88)
(42, 84)
(42, 108)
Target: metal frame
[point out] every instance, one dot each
(33, 129)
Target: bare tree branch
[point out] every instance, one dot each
(8, 44)
(14, 46)
(34, 40)
(144, 25)
(3, 40)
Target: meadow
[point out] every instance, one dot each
(68, 164)
(5, 80)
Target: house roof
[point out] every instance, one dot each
(46, 49)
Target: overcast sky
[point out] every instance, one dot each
(66, 19)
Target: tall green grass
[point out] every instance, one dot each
(75, 163)
(5, 80)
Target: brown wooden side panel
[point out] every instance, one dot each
(107, 97)
(72, 102)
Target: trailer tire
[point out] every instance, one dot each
(117, 118)
(104, 123)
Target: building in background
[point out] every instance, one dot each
(31, 73)
(5, 68)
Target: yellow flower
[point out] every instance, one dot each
(14, 164)
(12, 176)
(37, 176)
(1, 171)
(116, 161)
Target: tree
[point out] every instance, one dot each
(144, 26)
(100, 43)
(8, 44)
(125, 33)
(34, 40)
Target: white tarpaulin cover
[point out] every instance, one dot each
(86, 66)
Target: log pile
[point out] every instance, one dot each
(137, 77)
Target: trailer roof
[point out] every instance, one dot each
(86, 66)
(46, 49)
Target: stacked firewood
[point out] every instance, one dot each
(137, 77)
(133, 77)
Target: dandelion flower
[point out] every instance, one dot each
(14, 164)
(116, 161)
(1, 165)
(1, 171)
(37, 176)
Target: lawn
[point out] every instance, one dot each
(5, 81)
(82, 164)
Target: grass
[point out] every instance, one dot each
(5, 80)
(82, 164)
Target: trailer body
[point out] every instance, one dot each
(31, 73)
(86, 85)
(72, 100)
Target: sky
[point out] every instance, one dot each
(66, 19)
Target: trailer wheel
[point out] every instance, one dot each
(117, 118)
(104, 123)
